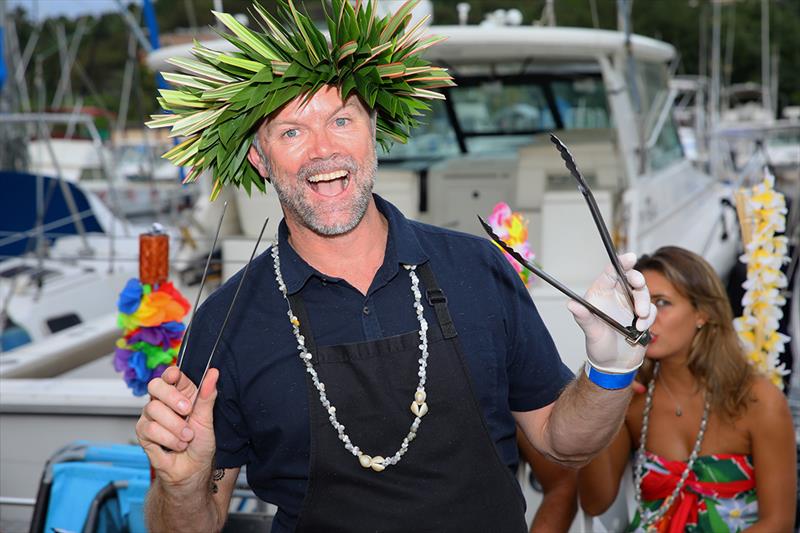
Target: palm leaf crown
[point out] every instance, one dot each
(220, 101)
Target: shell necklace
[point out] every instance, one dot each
(648, 518)
(418, 406)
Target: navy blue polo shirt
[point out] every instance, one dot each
(261, 412)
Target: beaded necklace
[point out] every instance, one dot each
(418, 406)
(638, 473)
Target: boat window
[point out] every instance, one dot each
(16, 270)
(500, 113)
(582, 103)
(92, 174)
(653, 79)
(132, 154)
(653, 88)
(31, 270)
(62, 322)
(667, 148)
(433, 138)
(784, 138)
(497, 108)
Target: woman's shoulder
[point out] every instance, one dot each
(762, 389)
(767, 402)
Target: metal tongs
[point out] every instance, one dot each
(632, 335)
(185, 340)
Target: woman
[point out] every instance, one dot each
(559, 488)
(714, 440)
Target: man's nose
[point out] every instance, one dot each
(322, 145)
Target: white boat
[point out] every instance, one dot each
(125, 177)
(66, 268)
(489, 142)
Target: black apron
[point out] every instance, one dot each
(450, 479)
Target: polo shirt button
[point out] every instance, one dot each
(366, 310)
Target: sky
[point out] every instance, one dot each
(42, 9)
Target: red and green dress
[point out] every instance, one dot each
(719, 494)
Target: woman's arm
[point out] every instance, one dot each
(774, 457)
(598, 481)
(559, 497)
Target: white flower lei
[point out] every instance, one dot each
(762, 213)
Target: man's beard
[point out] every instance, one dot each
(294, 200)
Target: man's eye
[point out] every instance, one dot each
(290, 133)
(341, 121)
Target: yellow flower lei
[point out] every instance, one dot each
(762, 214)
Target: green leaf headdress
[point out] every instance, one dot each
(218, 105)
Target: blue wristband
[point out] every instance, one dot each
(609, 381)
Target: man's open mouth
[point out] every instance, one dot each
(329, 183)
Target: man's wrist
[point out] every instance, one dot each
(610, 380)
(168, 506)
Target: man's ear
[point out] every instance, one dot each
(257, 162)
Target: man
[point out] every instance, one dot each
(373, 369)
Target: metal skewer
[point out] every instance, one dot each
(631, 334)
(185, 342)
(228, 314)
(583, 187)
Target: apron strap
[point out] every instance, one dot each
(437, 299)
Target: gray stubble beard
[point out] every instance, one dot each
(308, 215)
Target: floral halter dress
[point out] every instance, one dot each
(719, 494)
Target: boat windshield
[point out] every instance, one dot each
(490, 115)
(653, 85)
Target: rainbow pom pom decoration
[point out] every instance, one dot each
(151, 320)
(151, 312)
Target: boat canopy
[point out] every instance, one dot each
(18, 218)
(480, 44)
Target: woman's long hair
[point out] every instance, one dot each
(716, 358)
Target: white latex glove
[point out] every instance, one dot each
(606, 348)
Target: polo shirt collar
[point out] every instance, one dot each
(402, 247)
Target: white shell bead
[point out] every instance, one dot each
(377, 463)
(420, 396)
(419, 410)
(365, 460)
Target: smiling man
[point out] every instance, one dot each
(374, 369)
(321, 159)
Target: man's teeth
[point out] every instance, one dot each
(329, 176)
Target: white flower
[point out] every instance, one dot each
(736, 514)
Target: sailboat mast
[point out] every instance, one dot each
(766, 96)
(714, 98)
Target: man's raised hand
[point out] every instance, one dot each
(180, 450)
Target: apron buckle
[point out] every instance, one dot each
(435, 296)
